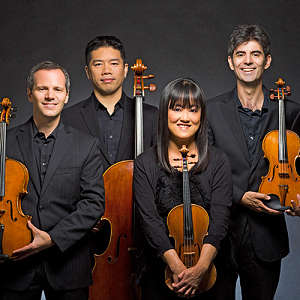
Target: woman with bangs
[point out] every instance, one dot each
(158, 188)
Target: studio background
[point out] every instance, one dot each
(174, 38)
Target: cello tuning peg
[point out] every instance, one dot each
(151, 87)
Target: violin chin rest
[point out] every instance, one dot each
(274, 203)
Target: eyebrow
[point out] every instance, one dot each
(254, 51)
(113, 59)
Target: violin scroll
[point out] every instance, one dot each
(281, 91)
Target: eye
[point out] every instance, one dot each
(115, 63)
(97, 64)
(194, 109)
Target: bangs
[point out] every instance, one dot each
(186, 95)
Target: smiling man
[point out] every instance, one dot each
(108, 113)
(238, 121)
(65, 196)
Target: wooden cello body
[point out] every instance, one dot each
(188, 225)
(282, 149)
(114, 271)
(14, 233)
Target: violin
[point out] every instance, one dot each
(113, 274)
(14, 232)
(281, 148)
(188, 225)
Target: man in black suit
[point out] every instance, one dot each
(108, 113)
(238, 121)
(65, 196)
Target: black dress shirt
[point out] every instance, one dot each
(110, 126)
(43, 148)
(251, 122)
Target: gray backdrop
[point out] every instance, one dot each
(174, 38)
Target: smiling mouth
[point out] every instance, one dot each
(183, 125)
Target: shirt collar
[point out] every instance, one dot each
(99, 105)
(54, 133)
(265, 103)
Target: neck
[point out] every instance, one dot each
(109, 101)
(251, 95)
(46, 125)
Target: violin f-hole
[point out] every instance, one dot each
(11, 211)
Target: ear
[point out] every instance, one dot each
(67, 98)
(29, 95)
(125, 70)
(86, 68)
(268, 62)
(230, 62)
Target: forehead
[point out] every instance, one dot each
(49, 77)
(105, 53)
(249, 46)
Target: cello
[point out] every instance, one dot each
(14, 233)
(281, 148)
(116, 263)
(188, 225)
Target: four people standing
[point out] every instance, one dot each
(58, 260)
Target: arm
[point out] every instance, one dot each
(144, 187)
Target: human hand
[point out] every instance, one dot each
(41, 241)
(189, 281)
(295, 210)
(253, 200)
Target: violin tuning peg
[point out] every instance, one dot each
(151, 87)
(176, 159)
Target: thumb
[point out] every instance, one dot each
(32, 227)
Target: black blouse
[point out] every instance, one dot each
(156, 192)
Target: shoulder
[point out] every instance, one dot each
(148, 108)
(147, 158)
(228, 96)
(217, 159)
(19, 128)
(77, 106)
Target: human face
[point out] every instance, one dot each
(183, 123)
(249, 62)
(48, 94)
(107, 71)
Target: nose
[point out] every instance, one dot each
(248, 59)
(184, 117)
(106, 68)
(50, 94)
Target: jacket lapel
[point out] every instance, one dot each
(231, 116)
(88, 114)
(126, 143)
(268, 125)
(24, 138)
(60, 149)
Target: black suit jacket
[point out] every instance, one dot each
(296, 124)
(268, 233)
(83, 117)
(66, 206)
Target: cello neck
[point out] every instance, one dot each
(138, 93)
(138, 125)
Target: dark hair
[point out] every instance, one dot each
(245, 33)
(103, 41)
(47, 65)
(188, 93)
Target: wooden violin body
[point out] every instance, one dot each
(281, 148)
(282, 179)
(14, 232)
(189, 253)
(188, 225)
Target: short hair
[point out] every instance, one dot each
(47, 65)
(245, 33)
(186, 92)
(103, 41)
